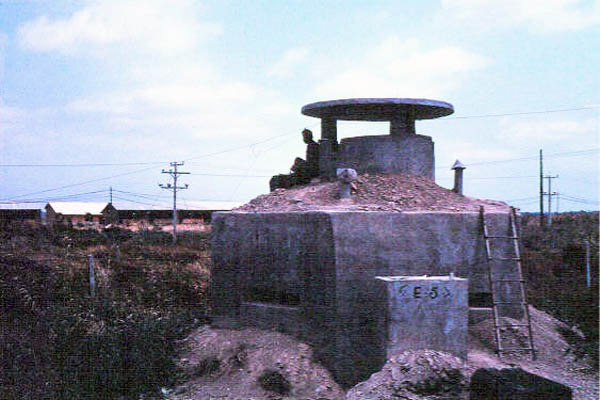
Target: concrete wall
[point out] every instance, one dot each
(323, 265)
(279, 258)
(388, 154)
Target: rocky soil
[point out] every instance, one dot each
(251, 364)
(372, 192)
(232, 364)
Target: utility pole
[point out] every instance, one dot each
(541, 190)
(174, 174)
(550, 194)
(110, 195)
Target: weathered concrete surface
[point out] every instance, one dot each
(425, 313)
(378, 109)
(388, 154)
(268, 316)
(325, 263)
(279, 258)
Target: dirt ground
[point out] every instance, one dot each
(372, 192)
(228, 364)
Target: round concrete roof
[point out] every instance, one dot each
(379, 109)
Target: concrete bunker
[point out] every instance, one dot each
(303, 260)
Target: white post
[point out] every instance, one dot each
(588, 275)
(92, 275)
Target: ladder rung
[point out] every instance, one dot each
(505, 258)
(510, 302)
(508, 280)
(507, 325)
(516, 349)
(501, 237)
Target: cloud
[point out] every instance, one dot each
(400, 68)
(3, 42)
(580, 133)
(539, 16)
(291, 59)
(158, 27)
(158, 75)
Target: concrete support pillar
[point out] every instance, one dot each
(329, 129)
(402, 125)
(458, 168)
(327, 158)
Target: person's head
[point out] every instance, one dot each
(307, 136)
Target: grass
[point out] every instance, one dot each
(59, 342)
(554, 266)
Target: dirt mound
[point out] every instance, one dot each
(415, 375)
(371, 192)
(555, 358)
(550, 345)
(251, 364)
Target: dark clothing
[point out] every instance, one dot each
(312, 159)
(302, 171)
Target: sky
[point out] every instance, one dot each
(100, 94)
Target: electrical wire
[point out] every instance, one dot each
(86, 165)
(517, 113)
(295, 132)
(232, 176)
(78, 184)
(546, 156)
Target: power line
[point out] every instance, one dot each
(501, 177)
(137, 202)
(579, 200)
(518, 113)
(247, 145)
(553, 155)
(78, 184)
(87, 165)
(66, 196)
(233, 176)
(523, 198)
(143, 195)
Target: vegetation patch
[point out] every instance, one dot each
(207, 366)
(273, 381)
(59, 342)
(554, 265)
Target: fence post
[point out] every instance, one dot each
(588, 275)
(92, 275)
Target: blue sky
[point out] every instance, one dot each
(220, 84)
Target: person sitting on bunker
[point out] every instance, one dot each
(304, 170)
(312, 153)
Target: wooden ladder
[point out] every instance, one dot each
(493, 282)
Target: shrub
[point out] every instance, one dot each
(273, 381)
(207, 366)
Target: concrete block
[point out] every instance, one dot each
(325, 262)
(426, 312)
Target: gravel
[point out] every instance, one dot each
(372, 192)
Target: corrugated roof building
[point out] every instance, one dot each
(21, 211)
(79, 212)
